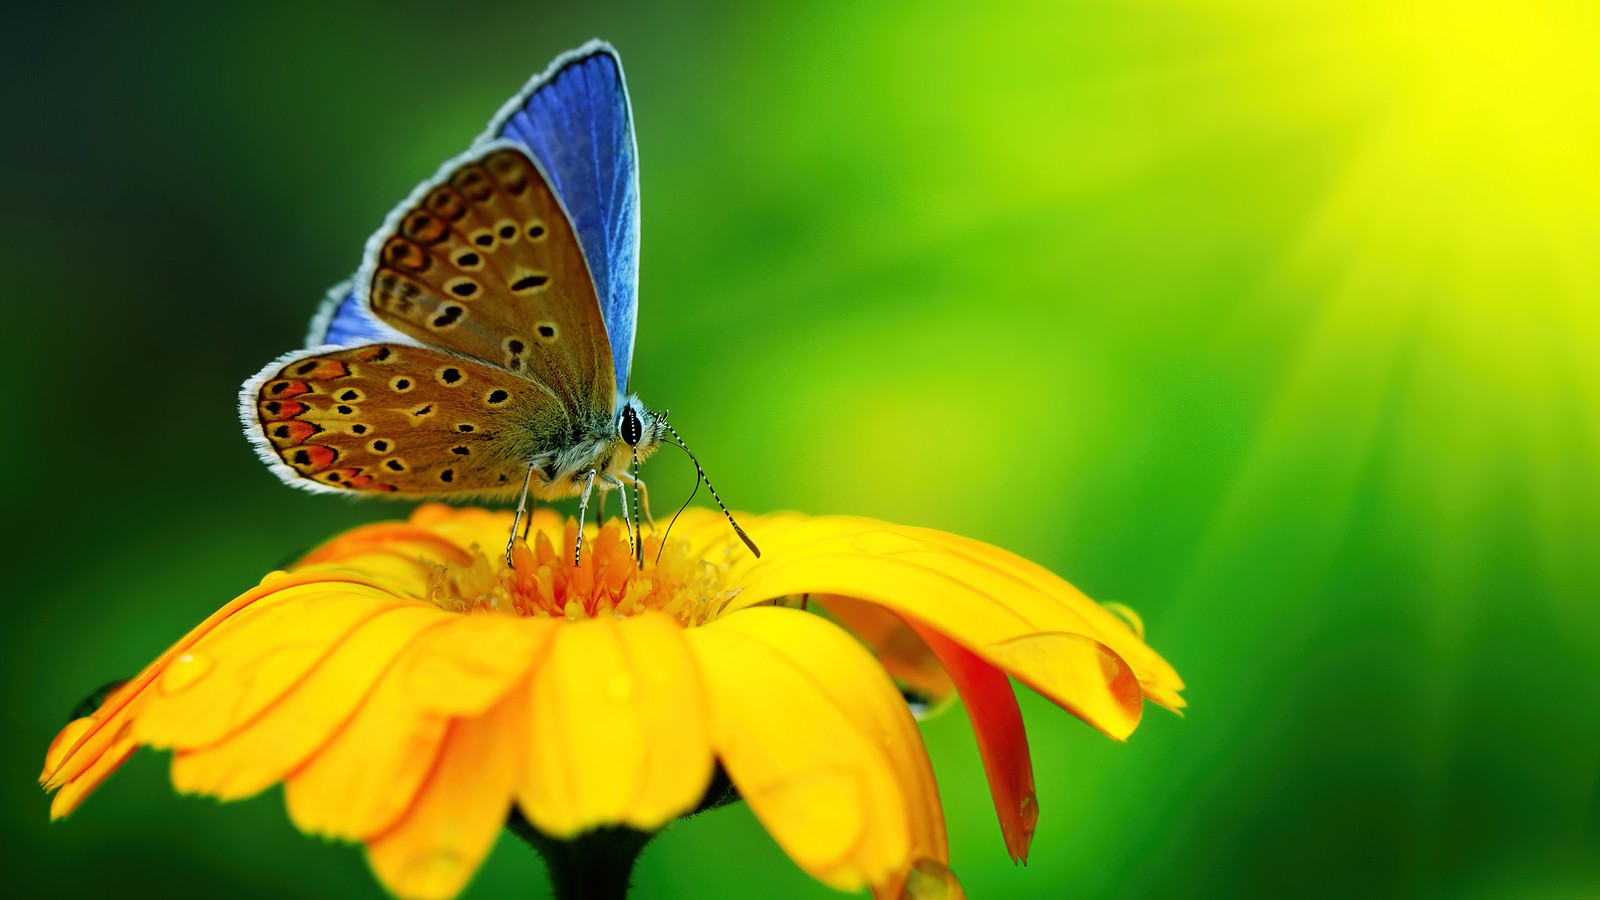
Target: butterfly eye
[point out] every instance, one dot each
(632, 430)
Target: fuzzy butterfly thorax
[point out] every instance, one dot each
(612, 451)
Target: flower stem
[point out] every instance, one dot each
(595, 865)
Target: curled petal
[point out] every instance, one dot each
(80, 786)
(820, 744)
(900, 650)
(965, 593)
(1078, 673)
(618, 730)
(402, 556)
(65, 739)
(1002, 741)
(968, 558)
(402, 540)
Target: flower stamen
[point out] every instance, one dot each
(609, 580)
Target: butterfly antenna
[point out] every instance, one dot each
(637, 522)
(675, 515)
(720, 505)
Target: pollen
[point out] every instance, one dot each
(609, 580)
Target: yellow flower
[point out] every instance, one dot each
(409, 690)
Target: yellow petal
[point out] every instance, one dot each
(232, 675)
(74, 791)
(114, 713)
(401, 539)
(1027, 587)
(820, 744)
(618, 727)
(279, 740)
(449, 829)
(1076, 672)
(486, 528)
(981, 597)
(904, 655)
(473, 661)
(1158, 679)
(65, 739)
(393, 570)
(360, 782)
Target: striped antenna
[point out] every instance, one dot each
(720, 505)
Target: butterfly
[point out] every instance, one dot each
(485, 345)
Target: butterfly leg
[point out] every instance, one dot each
(627, 523)
(643, 495)
(522, 508)
(583, 508)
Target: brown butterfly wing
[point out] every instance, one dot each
(394, 419)
(485, 263)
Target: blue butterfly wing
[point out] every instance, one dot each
(344, 320)
(577, 122)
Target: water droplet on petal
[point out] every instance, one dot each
(1029, 811)
(930, 879)
(435, 873)
(921, 705)
(1128, 616)
(184, 672)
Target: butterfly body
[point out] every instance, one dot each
(601, 448)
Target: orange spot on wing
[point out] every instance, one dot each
(314, 458)
(319, 369)
(294, 432)
(283, 390)
(278, 410)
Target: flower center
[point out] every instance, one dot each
(609, 581)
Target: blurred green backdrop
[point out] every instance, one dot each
(1277, 325)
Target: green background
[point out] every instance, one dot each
(1278, 326)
